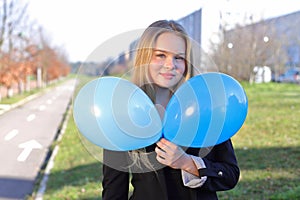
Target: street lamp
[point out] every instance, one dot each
(230, 46)
(266, 39)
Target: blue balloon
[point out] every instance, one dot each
(206, 110)
(115, 114)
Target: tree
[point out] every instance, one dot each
(12, 17)
(244, 47)
(24, 49)
(13, 14)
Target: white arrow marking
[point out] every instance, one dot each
(11, 134)
(28, 147)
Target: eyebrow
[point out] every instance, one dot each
(165, 51)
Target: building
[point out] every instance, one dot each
(289, 26)
(207, 25)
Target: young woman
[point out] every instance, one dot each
(165, 171)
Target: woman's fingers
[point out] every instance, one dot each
(166, 145)
(168, 153)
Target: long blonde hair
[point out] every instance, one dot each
(141, 159)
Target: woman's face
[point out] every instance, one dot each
(168, 60)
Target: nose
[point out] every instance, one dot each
(170, 63)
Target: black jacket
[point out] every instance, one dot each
(166, 184)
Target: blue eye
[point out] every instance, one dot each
(179, 58)
(160, 55)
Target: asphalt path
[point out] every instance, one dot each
(26, 133)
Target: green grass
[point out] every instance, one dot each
(268, 145)
(267, 148)
(18, 97)
(76, 174)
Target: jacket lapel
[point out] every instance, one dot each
(161, 179)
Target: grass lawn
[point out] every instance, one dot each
(267, 148)
(18, 97)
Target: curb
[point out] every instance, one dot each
(50, 163)
(7, 107)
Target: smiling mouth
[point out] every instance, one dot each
(167, 75)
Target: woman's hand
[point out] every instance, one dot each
(173, 156)
(170, 154)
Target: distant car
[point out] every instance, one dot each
(292, 75)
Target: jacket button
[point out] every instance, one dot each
(220, 173)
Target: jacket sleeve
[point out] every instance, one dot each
(222, 169)
(115, 182)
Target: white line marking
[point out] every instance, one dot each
(49, 101)
(11, 134)
(30, 117)
(42, 107)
